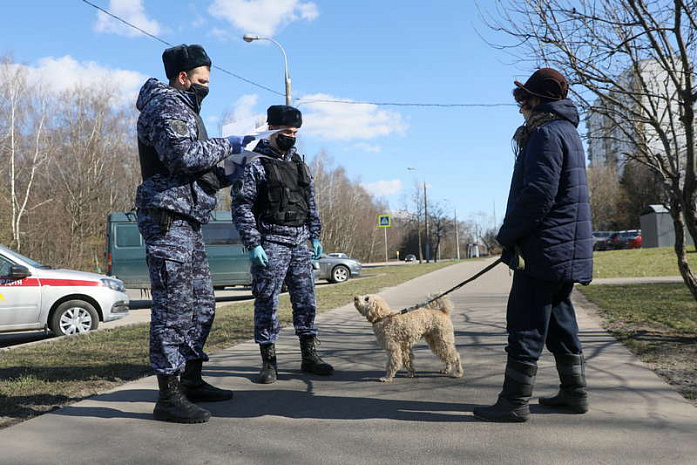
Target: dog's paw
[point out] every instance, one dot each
(444, 371)
(385, 380)
(411, 374)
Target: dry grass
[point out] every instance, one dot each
(657, 322)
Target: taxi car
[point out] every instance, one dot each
(35, 296)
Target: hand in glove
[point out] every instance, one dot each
(513, 257)
(238, 143)
(258, 256)
(317, 249)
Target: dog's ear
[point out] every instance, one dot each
(378, 307)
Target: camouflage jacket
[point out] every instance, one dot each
(244, 197)
(168, 123)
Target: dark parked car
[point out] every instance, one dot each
(604, 243)
(627, 239)
(335, 269)
(631, 239)
(599, 236)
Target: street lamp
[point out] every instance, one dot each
(250, 38)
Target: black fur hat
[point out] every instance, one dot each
(184, 58)
(284, 115)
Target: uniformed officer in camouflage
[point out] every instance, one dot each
(180, 180)
(274, 210)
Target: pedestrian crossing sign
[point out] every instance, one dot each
(384, 221)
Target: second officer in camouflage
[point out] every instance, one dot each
(274, 210)
(180, 178)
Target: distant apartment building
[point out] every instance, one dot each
(619, 125)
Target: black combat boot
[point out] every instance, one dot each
(312, 363)
(173, 406)
(572, 395)
(269, 369)
(512, 406)
(196, 389)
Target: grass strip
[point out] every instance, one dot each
(658, 323)
(42, 377)
(660, 261)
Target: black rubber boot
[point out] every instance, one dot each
(512, 406)
(572, 395)
(196, 389)
(173, 406)
(269, 369)
(311, 362)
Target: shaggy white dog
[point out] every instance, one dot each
(397, 333)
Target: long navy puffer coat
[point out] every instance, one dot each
(548, 215)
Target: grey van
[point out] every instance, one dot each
(227, 256)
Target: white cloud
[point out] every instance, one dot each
(61, 74)
(363, 147)
(244, 118)
(384, 188)
(342, 121)
(132, 11)
(263, 17)
(221, 34)
(244, 107)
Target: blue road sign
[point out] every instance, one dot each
(384, 221)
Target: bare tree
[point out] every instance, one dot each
(631, 62)
(606, 197)
(24, 114)
(349, 213)
(440, 227)
(94, 167)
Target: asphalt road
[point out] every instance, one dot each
(349, 418)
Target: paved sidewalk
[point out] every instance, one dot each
(639, 280)
(350, 418)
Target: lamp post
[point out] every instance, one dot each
(250, 38)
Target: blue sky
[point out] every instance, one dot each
(384, 51)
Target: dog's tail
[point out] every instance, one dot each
(444, 304)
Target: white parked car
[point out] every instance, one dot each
(34, 296)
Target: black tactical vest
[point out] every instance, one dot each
(150, 163)
(285, 197)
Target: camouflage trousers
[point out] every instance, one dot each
(292, 265)
(183, 303)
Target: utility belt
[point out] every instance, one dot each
(165, 218)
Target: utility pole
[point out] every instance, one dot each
(428, 242)
(457, 236)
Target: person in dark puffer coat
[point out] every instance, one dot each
(546, 237)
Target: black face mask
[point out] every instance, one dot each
(284, 143)
(199, 92)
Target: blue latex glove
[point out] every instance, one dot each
(317, 249)
(238, 142)
(258, 256)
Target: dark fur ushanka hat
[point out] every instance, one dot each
(184, 58)
(284, 115)
(546, 83)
